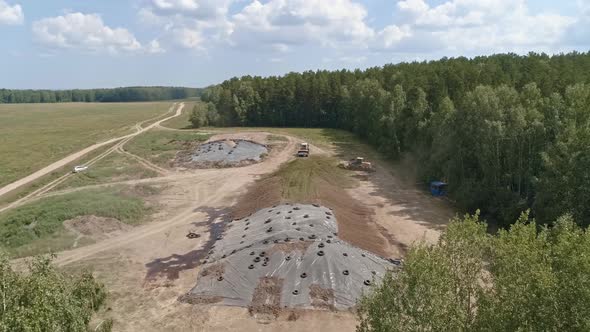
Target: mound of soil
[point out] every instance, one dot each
(95, 227)
(262, 194)
(355, 223)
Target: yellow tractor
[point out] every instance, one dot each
(358, 164)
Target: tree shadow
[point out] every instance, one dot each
(394, 180)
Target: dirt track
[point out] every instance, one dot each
(74, 156)
(193, 199)
(209, 187)
(61, 163)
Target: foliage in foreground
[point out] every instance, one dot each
(523, 279)
(43, 299)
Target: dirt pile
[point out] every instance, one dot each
(96, 227)
(286, 256)
(355, 222)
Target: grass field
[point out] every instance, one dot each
(39, 183)
(38, 227)
(112, 168)
(182, 122)
(34, 135)
(301, 179)
(160, 146)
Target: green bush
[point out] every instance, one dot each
(523, 279)
(43, 299)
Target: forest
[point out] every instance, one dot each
(509, 133)
(127, 94)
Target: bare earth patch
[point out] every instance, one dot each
(321, 297)
(266, 301)
(95, 227)
(214, 271)
(290, 247)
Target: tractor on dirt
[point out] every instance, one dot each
(303, 150)
(358, 164)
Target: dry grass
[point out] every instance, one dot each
(34, 135)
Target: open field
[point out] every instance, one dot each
(34, 135)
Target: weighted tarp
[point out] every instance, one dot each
(229, 152)
(297, 245)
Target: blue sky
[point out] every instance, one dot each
(61, 44)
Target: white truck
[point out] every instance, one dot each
(303, 150)
(79, 168)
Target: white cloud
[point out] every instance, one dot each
(483, 25)
(419, 27)
(291, 22)
(154, 47)
(87, 32)
(187, 38)
(392, 35)
(201, 9)
(11, 14)
(188, 24)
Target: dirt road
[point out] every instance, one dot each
(208, 187)
(74, 156)
(190, 201)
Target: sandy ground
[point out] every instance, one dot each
(403, 213)
(147, 268)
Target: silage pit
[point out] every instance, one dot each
(228, 153)
(318, 260)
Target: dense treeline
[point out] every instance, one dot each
(508, 132)
(128, 94)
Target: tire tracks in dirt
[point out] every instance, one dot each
(121, 142)
(208, 187)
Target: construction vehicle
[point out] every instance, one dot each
(358, 164)
(303, 150)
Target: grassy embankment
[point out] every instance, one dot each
(34, 135)
(38, 227)
(302, 179)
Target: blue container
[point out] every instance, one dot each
(438, 188)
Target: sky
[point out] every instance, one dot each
(64, 44)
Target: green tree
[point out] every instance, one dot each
(437, 288)
(199, 116)
(523, 279)
(44, 299)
